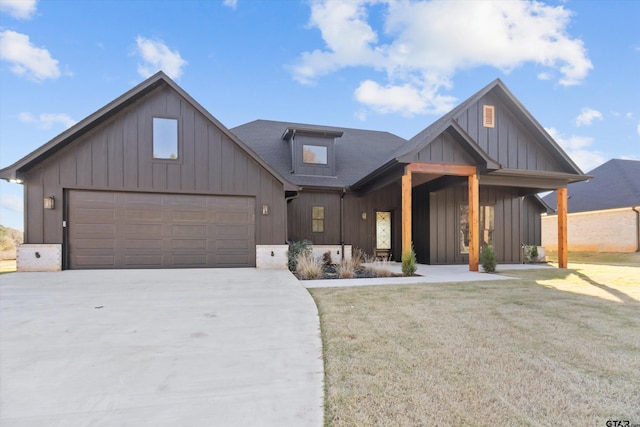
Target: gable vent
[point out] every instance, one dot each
(488, 116)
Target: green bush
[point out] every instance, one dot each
(296, 248)
(409, 263)
(488, 259)
(534, 252)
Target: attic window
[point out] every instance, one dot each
(165, 138)
(488, 116)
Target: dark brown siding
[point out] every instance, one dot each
(444, 149)
(357, 231)
(444, 233)
(510, 143)
(117, 156)
(531, 223)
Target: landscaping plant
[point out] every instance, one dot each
(295, 249)
(409, 263)
(488, 259)
(308, 267)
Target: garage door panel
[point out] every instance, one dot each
(95, 260)
(136, 230)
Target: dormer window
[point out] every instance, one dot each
(313, 150)
(314, 154)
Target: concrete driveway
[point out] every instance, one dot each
(214, 347)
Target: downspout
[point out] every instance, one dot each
(344, 190)
(635, 209)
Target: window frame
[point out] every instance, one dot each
(317, 219)
(155, 137)
(489, 233)
(326, 155)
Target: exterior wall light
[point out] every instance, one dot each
(265, 209)
(363, 215)
(49, 202)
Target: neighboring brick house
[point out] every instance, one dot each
(604, 212)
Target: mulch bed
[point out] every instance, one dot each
(330, 272)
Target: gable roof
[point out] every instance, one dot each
(13, 171)
(357, 151)
(426, 136)
(615, 184)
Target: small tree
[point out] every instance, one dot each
(534, 253)
(297, 248)
(409, 263)
(488, 259)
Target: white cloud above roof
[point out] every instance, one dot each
(157, 56)
(19, 9)
(27, 60)
(231, 3)
(422, 44)
(577, 148)
(47, 120)
(587, 116)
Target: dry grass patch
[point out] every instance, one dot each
(7, 266)
(521, 352)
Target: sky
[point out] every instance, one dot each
(389, 65)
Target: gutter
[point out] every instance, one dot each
(635, 209)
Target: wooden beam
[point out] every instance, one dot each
(474, 222)
(563, 248)
(406, 211)
(441, 169)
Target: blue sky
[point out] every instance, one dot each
(392, 65)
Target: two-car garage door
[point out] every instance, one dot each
(148, 230)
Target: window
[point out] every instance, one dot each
(486, 227)
(314, 154)
(488, 116)
(165, 138)
(317, 219)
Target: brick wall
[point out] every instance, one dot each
(613, 230)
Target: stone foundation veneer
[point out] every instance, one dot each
(39, 257)
(277, 256)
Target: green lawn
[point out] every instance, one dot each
(554, 347)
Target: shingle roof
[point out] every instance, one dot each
(358, 151)
(615, 184)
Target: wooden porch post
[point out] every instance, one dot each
(474, 221)
(406, 211)
(563, 248)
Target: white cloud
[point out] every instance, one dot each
(47, 120)
(32, 62)
(231, 3)
(19, 9)
(587, 116)
(11, 202)
(638, 128)
(424, 43)
(157, 56)
(576, 148)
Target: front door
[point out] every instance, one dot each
(383, 234)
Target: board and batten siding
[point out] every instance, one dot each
(358, 232)
(510, 143)
(436, 219)
(117, 156)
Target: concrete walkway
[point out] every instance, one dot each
(213, 347)
(428, 274)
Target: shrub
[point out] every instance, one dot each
(326, 258)
(346, 269)
(409, 263)
(308, 267)
(380, 268)
(295, 249)
(488, 259)
(534, 253)
(357, 257)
